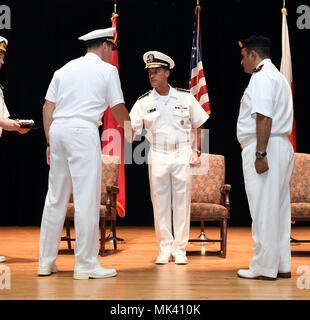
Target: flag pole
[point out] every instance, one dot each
(292, 222)
(196, 41)
(284, 9)
(111, 235)
(197, 44)
(202, 236)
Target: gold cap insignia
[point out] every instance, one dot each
(3, 46)
(150, 58)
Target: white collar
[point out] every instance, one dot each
(264, 61)
(172, 93)
(92, 55)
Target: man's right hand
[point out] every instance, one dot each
(261, 165)
(10, 125)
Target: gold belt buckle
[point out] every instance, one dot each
(172, 146)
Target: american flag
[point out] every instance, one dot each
(198, 86)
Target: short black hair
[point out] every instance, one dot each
(260, 44)
(95, 43)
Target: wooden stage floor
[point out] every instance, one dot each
(206, 277)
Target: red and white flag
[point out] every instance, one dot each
(286, 66)
(113, 136)
(198, 85)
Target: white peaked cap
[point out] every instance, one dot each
(3, 44)
(100, 33)
(156, 59)
(4, 39)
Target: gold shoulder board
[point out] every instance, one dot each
(145, 94)
(180, 89)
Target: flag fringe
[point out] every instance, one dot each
(120, 209)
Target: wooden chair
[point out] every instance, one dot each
(109, 191)
(210, 198)
(300, 189)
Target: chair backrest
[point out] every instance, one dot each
(109, 176)
(300, 179)
(207, 186)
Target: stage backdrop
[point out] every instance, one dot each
(43, 37)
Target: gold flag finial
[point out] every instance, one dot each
(114, 6)
(284, 9)
(197, 6)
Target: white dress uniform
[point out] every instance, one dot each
(4, 113)
(269, 94)
(168, 121)
(81, 91)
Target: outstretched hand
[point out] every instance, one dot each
(13, 125)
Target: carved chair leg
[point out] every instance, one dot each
(102, 238)
(113, 225)
(68, 234)
(223, 237)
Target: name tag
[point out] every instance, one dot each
(151, 110)
(181, 107)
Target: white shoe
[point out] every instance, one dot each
(2, 258)
(248, 274)
(99, 273)
(180, 258)
(163, 258)
(47, 271)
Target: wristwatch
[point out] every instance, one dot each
(260, 154)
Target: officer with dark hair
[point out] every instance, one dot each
(264, 124)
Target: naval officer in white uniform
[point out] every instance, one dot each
(168, 115)
(5, 122)
(76, 99)
(264, 123)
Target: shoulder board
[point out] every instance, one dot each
(1, 86)
(258, 69)
(145, 94)
(180, 89)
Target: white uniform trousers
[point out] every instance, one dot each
(269, 202)
(170, 184)
(75, 161)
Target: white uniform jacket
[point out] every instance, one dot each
(4, 113)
